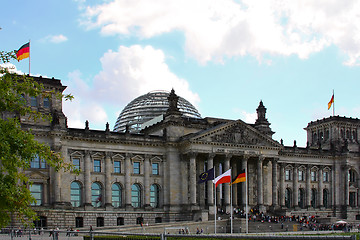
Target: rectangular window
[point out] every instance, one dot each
(325, 176)
(97, 166)
(287, 174)
(37, 163)
(117, 167)
(155, 169)
(136, 167)
(46, 102)
(313, 176)
(76, 163)
(37, 192)
(301, 175)
(33, 102)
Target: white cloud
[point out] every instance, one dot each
(249, 117)
(83, 107)
(55, 38)
(217, 28)
(133, 71)
(125, 75)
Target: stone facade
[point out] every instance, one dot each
(152, 176)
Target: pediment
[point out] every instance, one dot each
(36, 175)
(235, 132)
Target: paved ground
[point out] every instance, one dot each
(39, 237)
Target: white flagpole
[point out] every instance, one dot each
(231, 210)
(29, 56)
(333, 103)
(246, 200)
(215, 201)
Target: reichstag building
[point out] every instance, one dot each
(146, 169)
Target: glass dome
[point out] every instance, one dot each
(147, 107)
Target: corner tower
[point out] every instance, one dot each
(262, 124)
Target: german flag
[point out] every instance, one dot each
(331, 101)
(240, 178)
(23, 52)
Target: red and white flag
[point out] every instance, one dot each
(223, 178)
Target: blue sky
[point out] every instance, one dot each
(224, 56)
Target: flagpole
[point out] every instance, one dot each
(246, 200)
(215, 201)
(29, 57)
(231, 210)
(334, 103)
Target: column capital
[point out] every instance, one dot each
(88, 152)
(147, 157)
(211, 155)
(128, 155)
(228, 156)
(108, 154)
(274, 160)
(246, 157)
(261, 158)
(192, 154)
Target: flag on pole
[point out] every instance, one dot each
(223, 178)
(240, 178)
(206, 176)
(23, 52)
(331, 102)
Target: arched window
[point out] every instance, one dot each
(154, 196)
(313, 198)
(287, 198)
(326, 198)
(301, 201)
(116, 195)
(96, 196)
(75, 195)
(135, 196)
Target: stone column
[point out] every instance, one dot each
(108, 190)
(282, 185)
(321, 197)
(295, 186)
(274, 183)
(244, 164)
(210, 185)
(260, 197)
(128, 172)
(308, 186)
(87, 178)
(147, 170)
(217, 190)
(46, 193)
(345, 170)
(227, 186)
(234, 186)
(192, 177)
(57, 186)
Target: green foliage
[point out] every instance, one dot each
(18, 147)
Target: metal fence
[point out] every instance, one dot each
(93, 235)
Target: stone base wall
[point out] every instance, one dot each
(67, 218)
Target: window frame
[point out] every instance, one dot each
(136, 170)
(117, 169)
(97, 165)
(76, 202)
(155, 171)
(38, 195)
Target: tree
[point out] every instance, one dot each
(19, 147)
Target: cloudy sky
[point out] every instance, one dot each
(224, 56)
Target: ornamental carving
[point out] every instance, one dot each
(238, 135)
